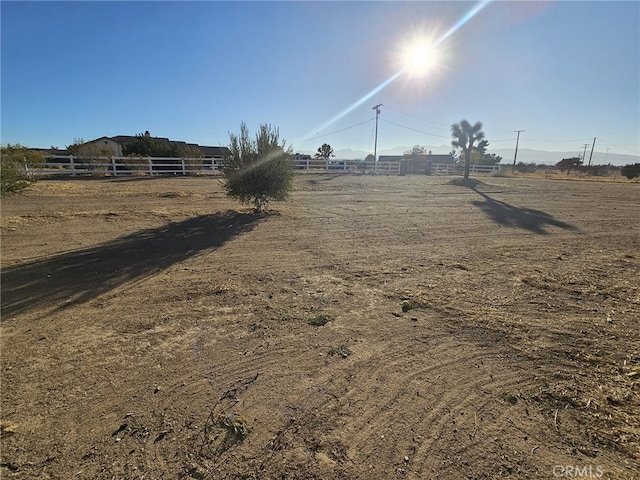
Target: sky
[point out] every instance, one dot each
(564, 72)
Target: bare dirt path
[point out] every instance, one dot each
(371, 327)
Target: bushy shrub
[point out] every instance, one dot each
(16, 163)
(631, 170)
(258, 170)
(526, 167)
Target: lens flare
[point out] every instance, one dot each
(422, 56)
(468, 16)
(355, 105)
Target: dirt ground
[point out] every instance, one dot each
(372, 327)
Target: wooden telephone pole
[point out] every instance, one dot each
(592, 147)
(517, 141)
(375, 145)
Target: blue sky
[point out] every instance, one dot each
(564, 71)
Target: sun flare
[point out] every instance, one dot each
(420, 58)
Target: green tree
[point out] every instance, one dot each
(258, 170)
(16, 163)
(572, 163)
(631, 170)
(147, 146)
(491, 159)
(479, 155)
(74, 148)
(464, 136)
(415, 151)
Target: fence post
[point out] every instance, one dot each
(113, 165)
(184, 171)
(150, 166)
(213, 164)
(72, 165)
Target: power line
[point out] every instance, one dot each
(618, 146)
(333, 133)
(371, 138)
(415, 130)
(556, 141)
(429, 122)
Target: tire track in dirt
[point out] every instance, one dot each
(429, 404)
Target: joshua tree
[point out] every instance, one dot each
(465, 135)
(325, 151)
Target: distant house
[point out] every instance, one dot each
(103, 146)
(116, 146)
(418, 163)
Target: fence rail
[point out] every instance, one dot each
(456, 169)
(63, 165)
(69, 165)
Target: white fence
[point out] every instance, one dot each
(347, 166)
(456, 169)
(79, 165)
(69, 165)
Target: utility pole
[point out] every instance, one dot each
(584, 154)
(375, 145)
(606, 155)
(517, 141)
(592, 147)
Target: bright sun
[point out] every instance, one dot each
(419, 58)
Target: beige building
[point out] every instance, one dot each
(103, 146)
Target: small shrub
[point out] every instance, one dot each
(341, 351)
(409, 305)
(16, 162)
(526, 167)
(234, 426)
(319, 320)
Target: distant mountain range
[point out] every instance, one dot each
(525, 155)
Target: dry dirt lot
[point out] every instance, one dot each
(372, 327)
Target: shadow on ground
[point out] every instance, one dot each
(79, 276)
(507, 215)
(315, 181)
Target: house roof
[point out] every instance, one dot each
(214, 151)
(52, 151)
(99, 138)
(446, 158)
(433, 158)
